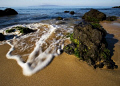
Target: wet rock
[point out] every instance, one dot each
(69, 49)
(72, 12)
(94, 16)
(24, 30)
(59, 18)
(90, 61)
(20, 29)
(66, 11)
(2, 37)
(101, 65)
(89, 44)
(8, 11)
(111, 18)
(2, 13)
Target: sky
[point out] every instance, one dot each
(22, 3)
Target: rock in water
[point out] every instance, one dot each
(10, 11)
(2, 13)
(116, 7)
(59, 18)
(66, 11)
(89, 44)
(94, 16)
(72, 12)
(1, 37)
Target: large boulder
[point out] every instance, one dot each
(8, 11)
(2, 13)
(94, 16)
(1, 37)
(89, 44)
(72, 12)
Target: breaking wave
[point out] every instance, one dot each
(36, 50)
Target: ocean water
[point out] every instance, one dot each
(34, 51)
(36, 14)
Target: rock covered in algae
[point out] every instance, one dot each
(89, 44)
(94, 16)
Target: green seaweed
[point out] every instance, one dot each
(23, 30)
(10, 30)
(95, 25)
(76, 52)
(76, 41)
(71, 37)
(91, 19)
(106, 54)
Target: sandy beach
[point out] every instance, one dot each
(65, 70)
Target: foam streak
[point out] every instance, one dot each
(37, 60)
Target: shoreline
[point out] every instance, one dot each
(64, 70)
(113, 38)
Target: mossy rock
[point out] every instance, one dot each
(105, 54)
(68, 49)
(59, 18)
(89, 44)
(94, 16)
(111, 18)
(96, 25)
(10, 30)
(24, 30)
(91, 19)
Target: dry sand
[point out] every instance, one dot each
(64, 70)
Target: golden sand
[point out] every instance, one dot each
(64, 70)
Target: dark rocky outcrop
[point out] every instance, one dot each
(94, 16)
(89, 44)
(8, 11)
(66, 11)
(2, 37)
(2, 13)
(72, 12)
(116, 7)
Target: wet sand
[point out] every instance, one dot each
(64, 70)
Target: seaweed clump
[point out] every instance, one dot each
(23, 30)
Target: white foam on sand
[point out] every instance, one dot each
(38, 59)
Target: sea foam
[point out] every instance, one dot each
(38, 58)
